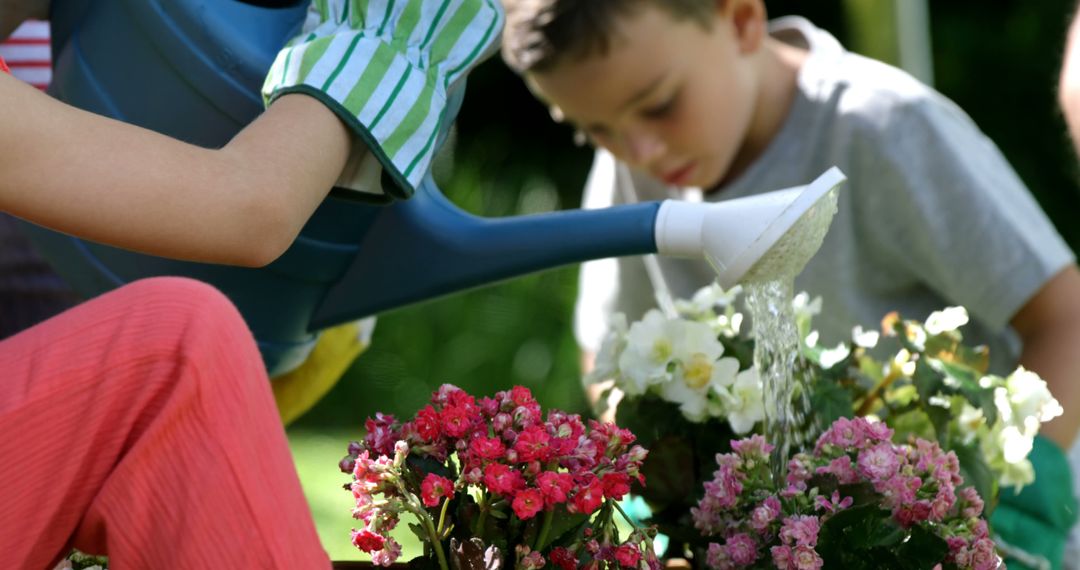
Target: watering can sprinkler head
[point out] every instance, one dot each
(756, 238)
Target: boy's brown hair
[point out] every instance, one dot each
(539, 33)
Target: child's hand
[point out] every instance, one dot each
(392, 73)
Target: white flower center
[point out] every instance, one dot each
(697, 371)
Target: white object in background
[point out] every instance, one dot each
(28, 54)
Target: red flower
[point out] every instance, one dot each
(487, 447)
(563, 558)
(532, 445)
(434, 488)
(555, 486)
(527, 503)
(456, 421)
(368, 541)
(521, 396)
(616, 485)
(503, 480)
(588, 498)
(628, 555)
(381, 434)
(427, 424)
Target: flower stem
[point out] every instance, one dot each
(625, 516)
(436, 543)
(479, 530)
(545, 529)
(442, 516)
(868, 402)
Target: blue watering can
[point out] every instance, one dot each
(192, 69)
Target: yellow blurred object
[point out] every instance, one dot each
(336, 349)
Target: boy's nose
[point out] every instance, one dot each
(642, 148)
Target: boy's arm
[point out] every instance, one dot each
(115, 183)
(1049, 326)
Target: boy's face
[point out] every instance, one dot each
(670, 97)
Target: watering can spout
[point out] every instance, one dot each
(427, 247)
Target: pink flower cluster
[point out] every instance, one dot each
(918, 483)
(502, 446)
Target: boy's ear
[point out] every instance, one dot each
(749, 21)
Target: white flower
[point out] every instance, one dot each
(832, 356)
(650, 346)
(697, 352)
(864, 338)
(744, 401)
(1006, 449)
(969, 422)
(948, 319)
(708, 298)
(606, 365)
(1030, 399)
(693, 399)
(804, 310)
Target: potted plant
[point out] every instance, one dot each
(494, 483)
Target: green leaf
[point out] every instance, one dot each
(976, 473)
(922, 549)
(914, 422)
(930, 382)
(830, 401)
(419, 532)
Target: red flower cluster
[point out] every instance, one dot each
(504, 445)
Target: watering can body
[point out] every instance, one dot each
(192, 69)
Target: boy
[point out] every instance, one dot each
(683, 96)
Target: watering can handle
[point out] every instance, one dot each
(427, 247)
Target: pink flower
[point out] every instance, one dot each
(834, 504)
(742, 549)
(554, 486)
(908, 515)
(805, 558)
(503, 480)
(529, 559)
(615, 485)
(842, 469)
(563, 558)
(628, 555)
(532, 445)
(753, 447)
(764, 514)
(527, 503)
(879, 462)
(588, 498)
(367, 541)
(983, 555)
(717, 557)
(434, 488)
(801, 530)
(487, 447)
(781, 556)
(899, 489)
(973, 503)
(388, 555)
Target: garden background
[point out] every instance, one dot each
(998, 60)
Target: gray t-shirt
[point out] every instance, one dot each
(932, 214)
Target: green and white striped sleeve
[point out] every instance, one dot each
(388, 68)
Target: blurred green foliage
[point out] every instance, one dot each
(998, 61)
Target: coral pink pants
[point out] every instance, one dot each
(141, 425)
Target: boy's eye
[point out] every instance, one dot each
(662, 110)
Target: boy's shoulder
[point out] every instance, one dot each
(860, 95)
